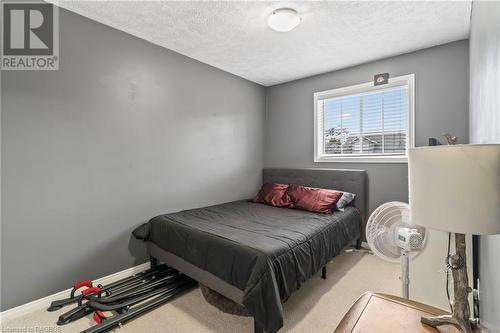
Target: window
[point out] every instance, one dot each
(365, 123)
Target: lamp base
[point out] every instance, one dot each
(460, 318)
(464, 326)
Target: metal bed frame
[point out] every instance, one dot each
(354, 181)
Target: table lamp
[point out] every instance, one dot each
(456, 189)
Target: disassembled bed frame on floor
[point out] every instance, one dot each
(130, 297)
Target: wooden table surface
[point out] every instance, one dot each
(380, 313)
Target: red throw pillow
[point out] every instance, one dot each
(313, 199)
(273, 195)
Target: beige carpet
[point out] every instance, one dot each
(317, 307)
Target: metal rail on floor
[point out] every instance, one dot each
(129, 297)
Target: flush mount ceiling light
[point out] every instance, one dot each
(283, 19)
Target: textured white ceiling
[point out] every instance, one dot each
(234, 36)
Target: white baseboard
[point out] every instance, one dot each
(44, 303)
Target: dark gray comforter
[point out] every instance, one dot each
(266, 252)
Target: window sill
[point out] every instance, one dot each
(361, 159)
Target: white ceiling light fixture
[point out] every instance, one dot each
(283, 19)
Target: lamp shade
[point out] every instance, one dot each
(456, 188)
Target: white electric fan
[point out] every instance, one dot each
(392, 237)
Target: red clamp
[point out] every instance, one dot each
(78, 285)
(84, 283)
(98, 316)
(89, 291)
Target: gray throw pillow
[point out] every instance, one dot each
(345, 200)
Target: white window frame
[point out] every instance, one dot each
(358, 89)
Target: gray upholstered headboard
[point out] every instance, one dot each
(354, 181)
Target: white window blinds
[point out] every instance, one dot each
(364, 123)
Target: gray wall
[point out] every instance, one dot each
(485, 128)
(441, 106)
(125, 130)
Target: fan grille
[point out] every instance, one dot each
(382, 228)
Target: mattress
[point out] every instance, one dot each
(264, 251)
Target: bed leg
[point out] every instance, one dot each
(358, 244)
(323, 273)
(257, 328)
(153, 261)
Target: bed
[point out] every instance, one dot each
(257, 255)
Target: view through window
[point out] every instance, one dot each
(371, 123)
